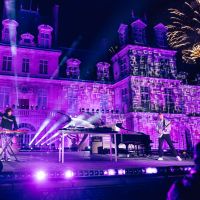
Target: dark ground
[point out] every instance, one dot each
(87, 188)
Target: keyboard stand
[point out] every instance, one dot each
(8, 145)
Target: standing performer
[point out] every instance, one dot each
(164, 127)
(8, 122)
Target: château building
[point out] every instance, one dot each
(145, 83)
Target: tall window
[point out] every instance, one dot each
(25, 65)
(45, 40)
(43, 67)
(169, 100)
(7, 63)
(4, 97)
(125, 100)
(145, 98)
(42, 98)
(123, 68)
(6, 35)
(143, 66)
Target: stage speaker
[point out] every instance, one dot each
(1, 166)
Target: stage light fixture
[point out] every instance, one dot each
(151, 170)
(121, 172)
(69, 174)
(40, 175)
(187, 169)
(110, 172)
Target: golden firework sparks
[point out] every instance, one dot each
(191, 55)
(184, 30)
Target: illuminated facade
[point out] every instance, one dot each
(145, 83)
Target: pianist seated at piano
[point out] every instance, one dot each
(8, 122)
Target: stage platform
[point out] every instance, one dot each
(31, 161)
(95, 177)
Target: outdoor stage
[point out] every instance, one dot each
(32, 161)
(39, 175)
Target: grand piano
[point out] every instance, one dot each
(140, 142)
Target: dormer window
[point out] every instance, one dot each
(103, 71)
(73, 68)
(27, 39)
(6, 35)
(139, 32)
(44, 36)
(9, 26)
(45, 40)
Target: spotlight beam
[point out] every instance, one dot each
(53, 128)
(75, 121)
(53, 141)
(44, 124)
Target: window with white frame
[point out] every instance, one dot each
(42, 98)
(45, 40)
(6, 35)
(25, 65)
(145, 97)
(43, 67)
(4, 97)
(169, 100)
(7, 63)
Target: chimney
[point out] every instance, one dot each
(123, 34)
(139, 32)
(55, 23)
(160, 32)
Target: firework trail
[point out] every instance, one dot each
(184, 30)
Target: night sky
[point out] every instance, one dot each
(91, 25)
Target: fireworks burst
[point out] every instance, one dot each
(184, 30)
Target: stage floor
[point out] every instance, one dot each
(31, 161)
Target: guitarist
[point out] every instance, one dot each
(163, 128)
(8, 122)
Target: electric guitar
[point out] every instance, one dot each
(165, 130)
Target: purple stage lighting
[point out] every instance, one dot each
(151, 170)
(187, 169)
(109, 172)
(42, 127)
(121, 172)
(69, 174)
(40, 175)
